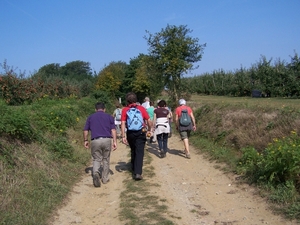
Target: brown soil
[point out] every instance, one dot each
(196, 192)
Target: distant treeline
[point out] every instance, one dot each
(278, 79)
(76, 79)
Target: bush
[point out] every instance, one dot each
(16, 124)
(17, 91)
(278, 163)
(60, 147)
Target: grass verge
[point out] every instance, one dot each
(283, 198)
(36, 181)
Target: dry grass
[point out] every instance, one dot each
(242, 122)
(274, 103)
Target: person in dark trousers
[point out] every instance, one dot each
(162, 127)
(103, 140)
(135, 138)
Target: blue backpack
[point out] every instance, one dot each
(134, 119)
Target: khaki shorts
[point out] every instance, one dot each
(185, 134)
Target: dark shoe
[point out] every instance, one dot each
(151, 140)
(162, 155)
(138, 177)
(96, 180)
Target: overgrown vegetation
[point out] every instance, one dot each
(258, 139)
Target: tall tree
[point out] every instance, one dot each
(49, 70)
(78, 70)
(175, 53)
(144, 77)
(110, 78)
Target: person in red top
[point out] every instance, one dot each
(185, 131)
(135, 138)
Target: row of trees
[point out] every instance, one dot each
(278, 79)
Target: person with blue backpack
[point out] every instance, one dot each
(134, 120)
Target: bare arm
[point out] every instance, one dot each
(124, 140)
(154, 122)
(114, 135)
(149, 124)
(85, 138)
(176, 121)
(193, 121)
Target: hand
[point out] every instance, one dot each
(124, 140)
(149, 134)
(86, 144)
(114, 147)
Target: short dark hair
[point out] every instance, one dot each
(99, 105)
(162, 103)
(131, 98)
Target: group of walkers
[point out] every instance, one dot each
(133, 124)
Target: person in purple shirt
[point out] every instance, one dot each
(103, 140)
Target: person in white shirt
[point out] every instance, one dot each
(146, 103)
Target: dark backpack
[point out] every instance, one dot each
(185, 120)
(134, 119)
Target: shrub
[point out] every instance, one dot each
(18, 91)
(278, 163)
(60, 147)
(16, 124)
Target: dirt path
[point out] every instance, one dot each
(195, 190)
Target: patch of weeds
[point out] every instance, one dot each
(270, 126)
(60, 147)
(149, 171)
(7, 156)
(138, 205)
(176, 217)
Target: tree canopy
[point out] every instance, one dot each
(175, 53)
(111, 77)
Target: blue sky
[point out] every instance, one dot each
(237, 32)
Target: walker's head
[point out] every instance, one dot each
(182, 102)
